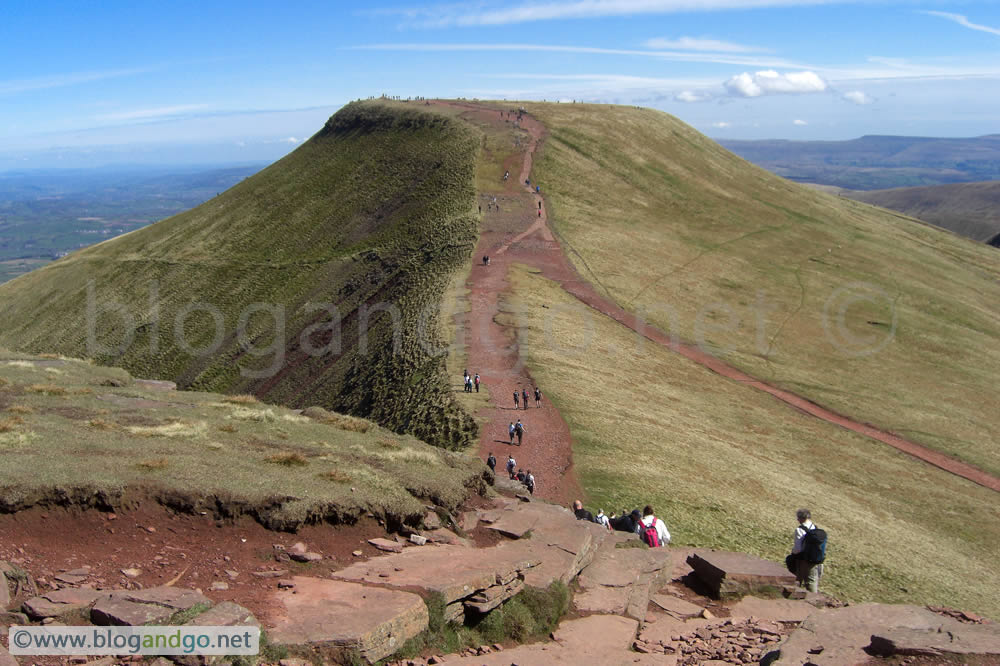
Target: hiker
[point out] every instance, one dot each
(477, 382)
(468, 384)
(511, 464)
(491, 462)
(529, 481)
(627, 522)
(524, 396)
(539, 212)
(602, 520)
(480, 209)
(809, 552)
(486, 260)
(520, 475)
(654, 531)
(538, 189)
(538, 397)
(516, 398)
(539, 205)
(581, 513)
(519, 431)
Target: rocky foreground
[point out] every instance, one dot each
(632, 604)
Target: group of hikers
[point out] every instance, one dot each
(471, 382)
(527, 478)
(524, 395)
(651, 530)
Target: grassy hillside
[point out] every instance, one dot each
(363, 225)
(968, 209)
(727, 467)
(866, 313)
(75, 433)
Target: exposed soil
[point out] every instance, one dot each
(196, 548)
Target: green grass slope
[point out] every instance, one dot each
(363, 225)
(968, 209)
(79, 434)
(869, 314)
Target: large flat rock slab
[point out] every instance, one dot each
(337, 615)
(776, 610)
(225, 614)
(5, 658)
(135, 608)
(453, 571)
(845, 633)
(596, 639)
(730, 575)
(61, 602)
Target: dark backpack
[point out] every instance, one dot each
(649, 535)
(519, 429)
(814, 546)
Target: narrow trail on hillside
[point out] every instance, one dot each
(531, 242)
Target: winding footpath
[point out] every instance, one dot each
(520, 235)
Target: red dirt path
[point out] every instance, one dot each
(530, 241)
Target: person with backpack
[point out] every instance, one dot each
(520, 475)
(524, 397)
(654, 531)
(529, 481)
(477, 382)
(511, 465)
(538, 397)
(510, 431)
(519, 431)
(517, 396)
(581, 513)
(491, 462)
(627, 522)
(809, 551)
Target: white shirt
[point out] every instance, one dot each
(661, 529)
(800, 534)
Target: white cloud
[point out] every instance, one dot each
(290, 139)
(13, 87)
(770, 82)
(152, 114)
(800, 123)
(858, 97)
(462, 15)
(699, 44)
(690, 96)
(722, 124)
(963, 21)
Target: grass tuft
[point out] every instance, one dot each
(244, 399)
(47, 389)
(21, 409)
(10, 424)
(288, 459)
(228, 427)
(101, 424)
(336, 476)
(154, 464)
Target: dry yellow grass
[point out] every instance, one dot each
(47, 389)
(727, 466)
(154, 464)
(101, 424)
(10, 424)
(227, 427)
(288, 458)
(341, 421)
(336, 476)
(244, 399)
(20, 409)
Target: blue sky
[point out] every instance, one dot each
(242, 81)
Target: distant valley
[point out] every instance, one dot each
(45, 214)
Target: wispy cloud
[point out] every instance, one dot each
(770, 82)
(962, 21)
(722, 124)
(463, 15)
(158, 113)
(680, 56)
(16, 86)
(692, 96)
(799, 123)
(700, 44)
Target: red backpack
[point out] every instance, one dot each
(650, 536)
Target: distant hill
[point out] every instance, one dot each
(968, 209)
(877, 162)
(315, 281)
